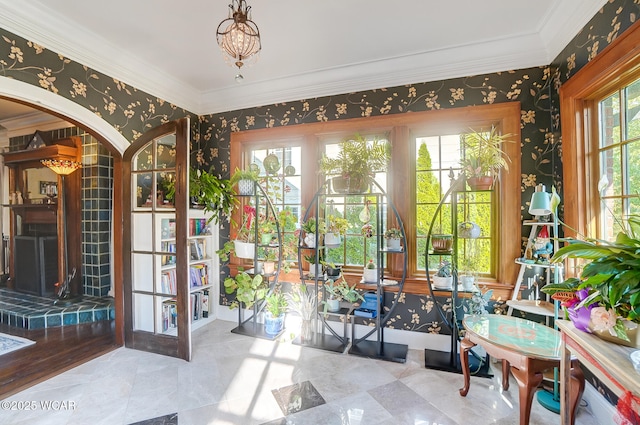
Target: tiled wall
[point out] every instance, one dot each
(97, 184)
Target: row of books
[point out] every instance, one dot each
(198, 275)
(198, 227)
(199, 307)
(168, 228)
(168, 283)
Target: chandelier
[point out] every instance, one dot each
(238, 36)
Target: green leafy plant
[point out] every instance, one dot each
(248, 290)
(216, 195)
(392, 233)
(483, 154)
(310, 226)
(337, 224)
(251, 174)
(276, 303)
(341, 291)
(609, 281)
(358, 159)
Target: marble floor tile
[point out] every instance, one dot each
(238, 380)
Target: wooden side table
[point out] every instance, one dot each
(608, 361)
(526, 349)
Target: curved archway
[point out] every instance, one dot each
(70, 111)
(24, 92)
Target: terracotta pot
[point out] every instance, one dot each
(442, 243)
(480, 183)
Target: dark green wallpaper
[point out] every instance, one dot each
(132, 111)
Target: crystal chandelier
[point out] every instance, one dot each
(238, 36)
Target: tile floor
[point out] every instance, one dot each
(235, 379)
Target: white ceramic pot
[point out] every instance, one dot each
(333, 305)
(393, 244)
(313, 268)
(332, 239)
(245, 187)
(310, 240)
(440, 282)
(244, 249)
(467, 282)
(370, 275)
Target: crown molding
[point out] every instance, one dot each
(56, 33)
(538, 49)
(29, 123)
(461, 61)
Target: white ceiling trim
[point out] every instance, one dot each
(29, 123)
(94, 52)
(522, 52)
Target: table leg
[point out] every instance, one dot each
(505, 374)
(465, 346)
(528, 382)
(576, 389)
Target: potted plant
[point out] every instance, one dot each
(483, 157)
(338, 291)
(244, 242)
(605, 298)
(441, 242)
(215, 195)
(357, 161)
(267, 232)
(310, 229)
(314, 267)
(336, 227)
(443, 278)
(331, 269)
(303, 301)
(276, 306)
(245, 179)
(393, 236)
(269, 261)
(370, 272)
(248, 290)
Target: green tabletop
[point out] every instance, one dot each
(524, 336)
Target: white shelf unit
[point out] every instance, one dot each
(533, 304)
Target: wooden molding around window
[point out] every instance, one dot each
(615, 66)
(400, 127)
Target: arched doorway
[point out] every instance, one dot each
(111, 139)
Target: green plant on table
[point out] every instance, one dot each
(393, 233)
(607, 292)
(337, 224)
(276, 303)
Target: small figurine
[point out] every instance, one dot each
(543, 248)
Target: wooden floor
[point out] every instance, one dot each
(56, 350)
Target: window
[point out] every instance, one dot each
(412, 137)
(619, 158)
(437, 161)
(600, 132)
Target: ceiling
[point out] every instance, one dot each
(309, 48)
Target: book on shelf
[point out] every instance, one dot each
(197, 226)
(197, 249)
(198, 275)
(168, 282)
(169, 314)
(168, 228)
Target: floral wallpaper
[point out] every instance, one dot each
(132, 111)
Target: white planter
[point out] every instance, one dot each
(370, 275)
(332, 239)
(313, 268)
(393, 244)
(244, 249)
(268, 267)
(440, 282)
(245, 187)
(467, 282)
(333, 305)
(310, 240)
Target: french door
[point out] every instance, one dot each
(155, 255)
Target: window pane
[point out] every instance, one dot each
(633, 110)
(610, 120)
